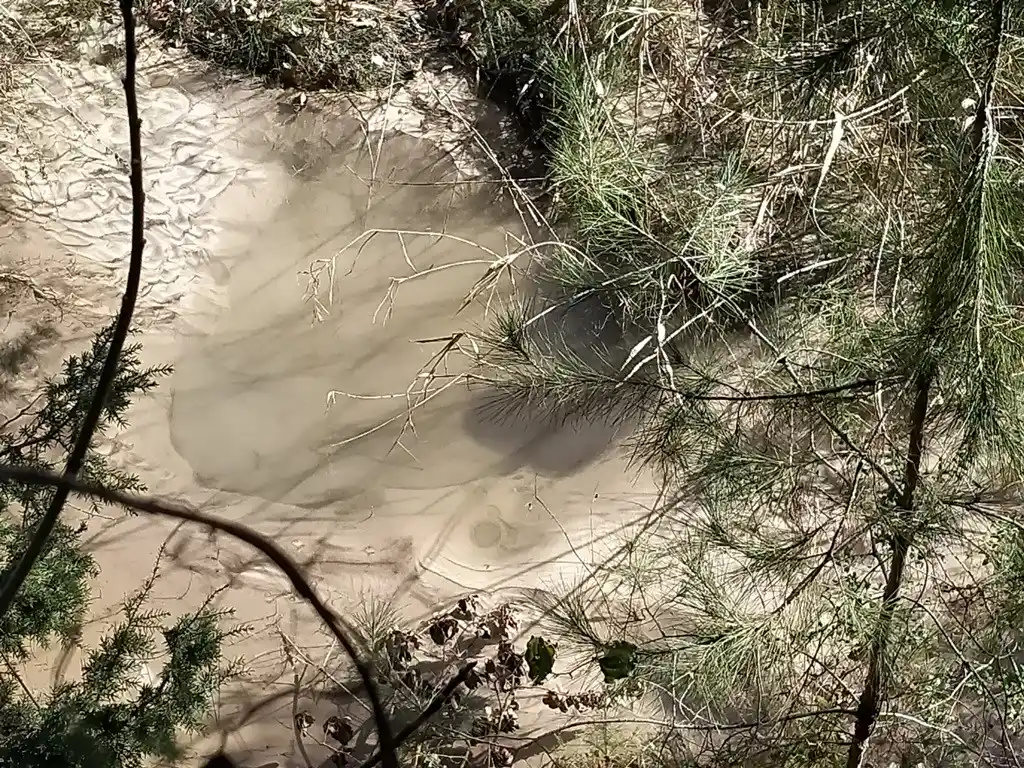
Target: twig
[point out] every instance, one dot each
(294, 649)
(431, 709)
(41, 293)
(298, 730)
(21, 682)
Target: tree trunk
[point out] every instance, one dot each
(870, 699)
(871, 696)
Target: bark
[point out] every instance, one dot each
(870, 701)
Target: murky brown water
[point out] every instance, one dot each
(243, 426)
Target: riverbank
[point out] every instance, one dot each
(246, 193)
(603, 99)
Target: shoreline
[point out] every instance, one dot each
(433, 539)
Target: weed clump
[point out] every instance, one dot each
(307, 44)
(32, 32)
(605, 90)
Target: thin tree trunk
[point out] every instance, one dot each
(869, 704)
(18, 570)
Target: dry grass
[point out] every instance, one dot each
(307, 44)
(32, 31)
(16, 47)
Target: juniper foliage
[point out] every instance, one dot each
(111, 716)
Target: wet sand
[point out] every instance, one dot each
(242, 201)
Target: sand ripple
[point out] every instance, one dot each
(71, 145)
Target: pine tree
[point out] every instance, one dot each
(817, 292)
(109, 717)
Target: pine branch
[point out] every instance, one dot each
(869, 704)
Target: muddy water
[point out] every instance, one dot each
(244, 198)
(248, 409)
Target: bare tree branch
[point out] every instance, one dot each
(388, 744)
(16, 575)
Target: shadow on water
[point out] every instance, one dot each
(248, 408)
(555, 439)
(531, 439)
